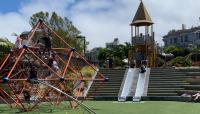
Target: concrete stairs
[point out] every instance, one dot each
(109, 89)
(170, 83)
(166, 82)
(193, 78)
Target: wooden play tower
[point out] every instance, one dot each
(142, 38)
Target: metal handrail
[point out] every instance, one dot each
(72, 98)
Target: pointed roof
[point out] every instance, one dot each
(142, 17)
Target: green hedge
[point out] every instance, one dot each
(180, 62)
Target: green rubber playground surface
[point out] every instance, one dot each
(110, 107)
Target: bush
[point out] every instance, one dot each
(87, 71)
(160, 62)
(117, 62)
(180, 62)
(177, 51)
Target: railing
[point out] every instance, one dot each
(68, 96)
(90, 83)
(142, 40)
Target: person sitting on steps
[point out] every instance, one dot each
(196, 96)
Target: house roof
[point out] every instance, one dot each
(173, 33)
(142, 17)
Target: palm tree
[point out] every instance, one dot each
(5, 46)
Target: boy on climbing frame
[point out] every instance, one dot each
(27, 96)
(47, 43)
(24, 36)
(32, 75)
(53, 64)
(18, 43)
(22, 40)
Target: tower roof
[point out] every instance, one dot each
(142, 17)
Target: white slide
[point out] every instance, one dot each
(140, 88)
(131, 75)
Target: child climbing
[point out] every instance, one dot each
(18, 43)
(27, 96)
(32, 75)
(47, 43)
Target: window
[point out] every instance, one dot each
(166, 43)
(186, 38)
(199, 36)
(182, 39)
(175, 40)
(171, 41)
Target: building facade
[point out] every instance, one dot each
(183, 38)
(113, 44)
(92, 56)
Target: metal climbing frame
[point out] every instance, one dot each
(61, 67)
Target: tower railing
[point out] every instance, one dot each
(142, 40)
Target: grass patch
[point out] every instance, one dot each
(109, 107)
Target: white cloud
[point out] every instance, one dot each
(35, 6)
(102, 20)
(12, 22)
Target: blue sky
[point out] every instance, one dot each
(10, 5)
(100, 20)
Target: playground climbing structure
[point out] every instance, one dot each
(36, 61)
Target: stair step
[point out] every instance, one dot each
(198, 86)
(169, 72)
(170, 81)
(158, 77)
(167, 83)
(164, 88)
(162, 94)
(111, 82)
(163, 91)
(105, 83)
(161, 79)
(103, 91)
(110, 88)
(102, 94)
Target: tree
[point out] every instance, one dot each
(63, 26)
(177, 51)
(5, 46)
(104, 53)
(128, 46)
(117, 54)
(119, 51)
(194, 54)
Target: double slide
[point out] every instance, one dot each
(135, 84)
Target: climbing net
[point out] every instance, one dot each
(37, 72)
